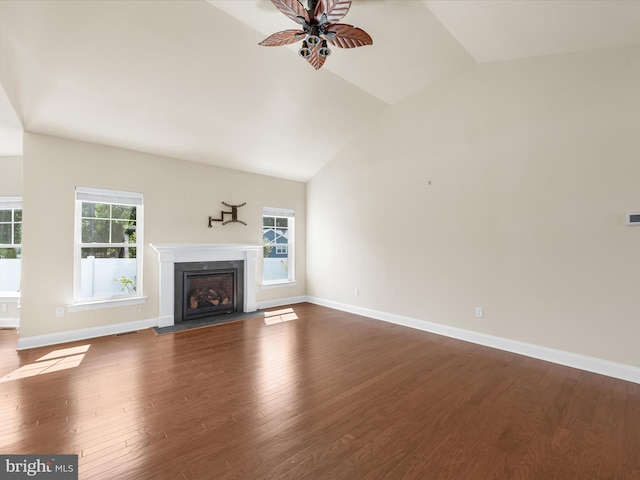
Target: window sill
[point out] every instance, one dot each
(285, 283)
(99, 304)
(10, 297)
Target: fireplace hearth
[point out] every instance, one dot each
(207, 289)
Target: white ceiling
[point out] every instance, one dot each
(495, 30)
(186, 78)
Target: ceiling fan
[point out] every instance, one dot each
(319, 22)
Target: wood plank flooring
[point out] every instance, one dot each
(313, 393)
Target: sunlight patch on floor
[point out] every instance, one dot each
(280, 316)
(62, 359)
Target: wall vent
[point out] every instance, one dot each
(633, 218)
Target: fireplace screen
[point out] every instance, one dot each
(209, 293)
(205, 289)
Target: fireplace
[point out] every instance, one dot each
(171, 255)
(206, 289)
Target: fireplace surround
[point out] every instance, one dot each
(170, 254)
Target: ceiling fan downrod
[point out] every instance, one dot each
(314, 29)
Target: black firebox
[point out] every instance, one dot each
(206, 289)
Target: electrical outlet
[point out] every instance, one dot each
(356, 292)
(479, 312)
(4, 307)
(60, 312)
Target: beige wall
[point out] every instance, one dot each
(504, 188)
(10, 175)
(178, 196)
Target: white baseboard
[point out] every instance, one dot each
(9, 322)
(83, 334)
(35, 341)
(574, 360)
(25, 343)
(282, 301)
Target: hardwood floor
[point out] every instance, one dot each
(313, 393)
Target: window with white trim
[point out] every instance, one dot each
(108, 245)
(278, 250)
(10, 245)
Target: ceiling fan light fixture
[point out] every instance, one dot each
(319, 21)
(324, 51)
(305, 51)
(313, 40)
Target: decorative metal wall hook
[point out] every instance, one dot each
(233, 213)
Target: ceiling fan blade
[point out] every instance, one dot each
(347, 36)
(283, 38)
(335, 9)
(292, 9)
(320, 9)
(316, 60)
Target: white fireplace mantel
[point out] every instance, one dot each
(171, 253)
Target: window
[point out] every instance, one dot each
(278, 238)
(108, 245)
(10, 245)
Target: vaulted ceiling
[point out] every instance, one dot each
(187, 78)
